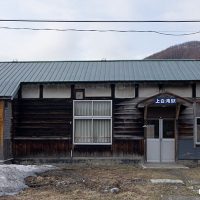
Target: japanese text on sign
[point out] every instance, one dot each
(165, 100)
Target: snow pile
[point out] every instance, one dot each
(12, 176)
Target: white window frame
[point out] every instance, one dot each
(195, 125)
(92, 118)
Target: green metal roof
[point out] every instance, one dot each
(14, 73)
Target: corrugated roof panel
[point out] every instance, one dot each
(14, 77)
(93, 72)
(60, 71)
(139, 72)
(65, 72)
(195, 70)
(82, 68)
(13, 73)
(167, 71)
(40, 70)
(71, 73)
(53, 68)
(32, 70)
(108, 74)
(86, 75)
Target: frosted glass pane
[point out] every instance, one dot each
(83, 131)
(102, 108)
(83, 108)
(102, 131)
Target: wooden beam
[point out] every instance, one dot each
(41, 91)
(145, 112)
(178, 111)
(194, 90)
(176, 140)
(72, 92)
(136, 90)
(112, 91)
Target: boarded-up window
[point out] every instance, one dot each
(92, 122)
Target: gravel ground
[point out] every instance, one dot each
(110, 182)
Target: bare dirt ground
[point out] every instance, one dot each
(96, 181)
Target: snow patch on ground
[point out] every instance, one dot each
(12, 176)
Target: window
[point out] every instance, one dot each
(92, 122)
(79, 94)
(197, 130)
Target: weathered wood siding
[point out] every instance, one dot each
(7, 130)
(1, 128)
(186, 122)
(187, 150)
(128, 131)
(42, 127)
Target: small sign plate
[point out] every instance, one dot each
(166, 100)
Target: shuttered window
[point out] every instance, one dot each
(92, 122)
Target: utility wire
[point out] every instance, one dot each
(166, 33)
(99, 21)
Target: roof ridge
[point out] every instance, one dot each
(122, 60)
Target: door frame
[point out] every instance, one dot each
(160, 120)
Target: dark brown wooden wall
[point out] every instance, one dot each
(186, 122)
(42, 128)
(128, 131)
(36, 118)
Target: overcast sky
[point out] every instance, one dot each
(50, 45)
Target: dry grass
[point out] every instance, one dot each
(91, 182)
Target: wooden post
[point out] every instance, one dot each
(145, 112)
(178, 107)
(178, 111)
(1, 128)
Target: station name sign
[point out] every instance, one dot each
(165, 100)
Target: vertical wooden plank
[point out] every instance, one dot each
(176, 139)
(1, 128)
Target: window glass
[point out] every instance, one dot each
(92, 122)
(83, 131)
(102, 108)
(168, 129)
(83, 108)
(152, 129)
(102, 130)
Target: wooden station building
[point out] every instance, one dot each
(146, 109)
